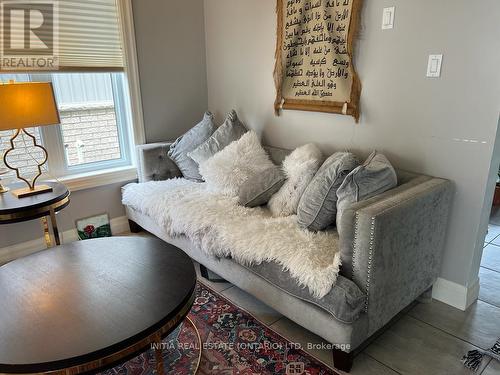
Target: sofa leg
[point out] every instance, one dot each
(426, 297)
(342, 361)
(134, 227)
(209, 275)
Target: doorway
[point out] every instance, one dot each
(489, 272)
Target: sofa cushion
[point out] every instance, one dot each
(345, 301)
(231, 130)
(258, 189)
(187, 143)
(228, 169)
(375, 176)
(299, 168)
(318, 205)
(277, 154)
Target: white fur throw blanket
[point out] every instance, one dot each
(222, 228)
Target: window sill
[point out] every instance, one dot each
(95, 179)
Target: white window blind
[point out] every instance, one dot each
(89, 35)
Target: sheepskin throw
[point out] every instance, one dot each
(220, 227)
(299, 168)
(228, 169)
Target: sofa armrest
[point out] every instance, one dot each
(397, 244)
(154, 163)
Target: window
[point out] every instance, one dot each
(99, 125)
(95, 124)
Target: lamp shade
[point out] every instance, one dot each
(24, 105)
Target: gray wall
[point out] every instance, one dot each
(171, 50)
(443, 127)
(83, 203)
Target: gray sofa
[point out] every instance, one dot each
(391, 247)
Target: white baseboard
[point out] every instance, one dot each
(118, 225)
(454, 294)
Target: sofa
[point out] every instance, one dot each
(391, 249)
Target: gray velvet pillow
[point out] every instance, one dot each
(373, 177)
(187, 143)
(318, 205)
(231, 130)
(259, 188)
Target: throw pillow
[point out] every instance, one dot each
(231, 130)
(318, 205)
(187, 143)
(228, 169)
(258, 189)
(375, 176)
(299, 168)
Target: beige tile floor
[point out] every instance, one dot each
(428, 339)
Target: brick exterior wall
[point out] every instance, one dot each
(90, 133)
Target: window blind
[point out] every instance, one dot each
(88, 35)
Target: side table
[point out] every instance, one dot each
(42, 206)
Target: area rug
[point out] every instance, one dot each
(219, 338)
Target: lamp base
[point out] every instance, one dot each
(3, 189)
(27, 192)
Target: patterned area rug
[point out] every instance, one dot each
(232, 342)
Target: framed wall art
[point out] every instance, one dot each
(314, 68)
(93, 227)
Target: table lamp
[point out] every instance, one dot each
(24, 105)
(3, 189)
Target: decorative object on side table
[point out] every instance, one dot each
(27, 105)
(3, 189)
(94, 227)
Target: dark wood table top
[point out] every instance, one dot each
(89, 299)
(31, 207)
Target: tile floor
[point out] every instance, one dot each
(428, 339)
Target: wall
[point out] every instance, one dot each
(443, 127)
(171, 52)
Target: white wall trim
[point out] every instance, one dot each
(132, 69)
(118, 225)
(99, 178)
(454, 294)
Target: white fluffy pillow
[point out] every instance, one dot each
(229, 168)
(299, 168)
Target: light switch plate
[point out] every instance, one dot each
(388, 18)
(434, 66)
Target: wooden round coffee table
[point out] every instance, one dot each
(92, 304)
